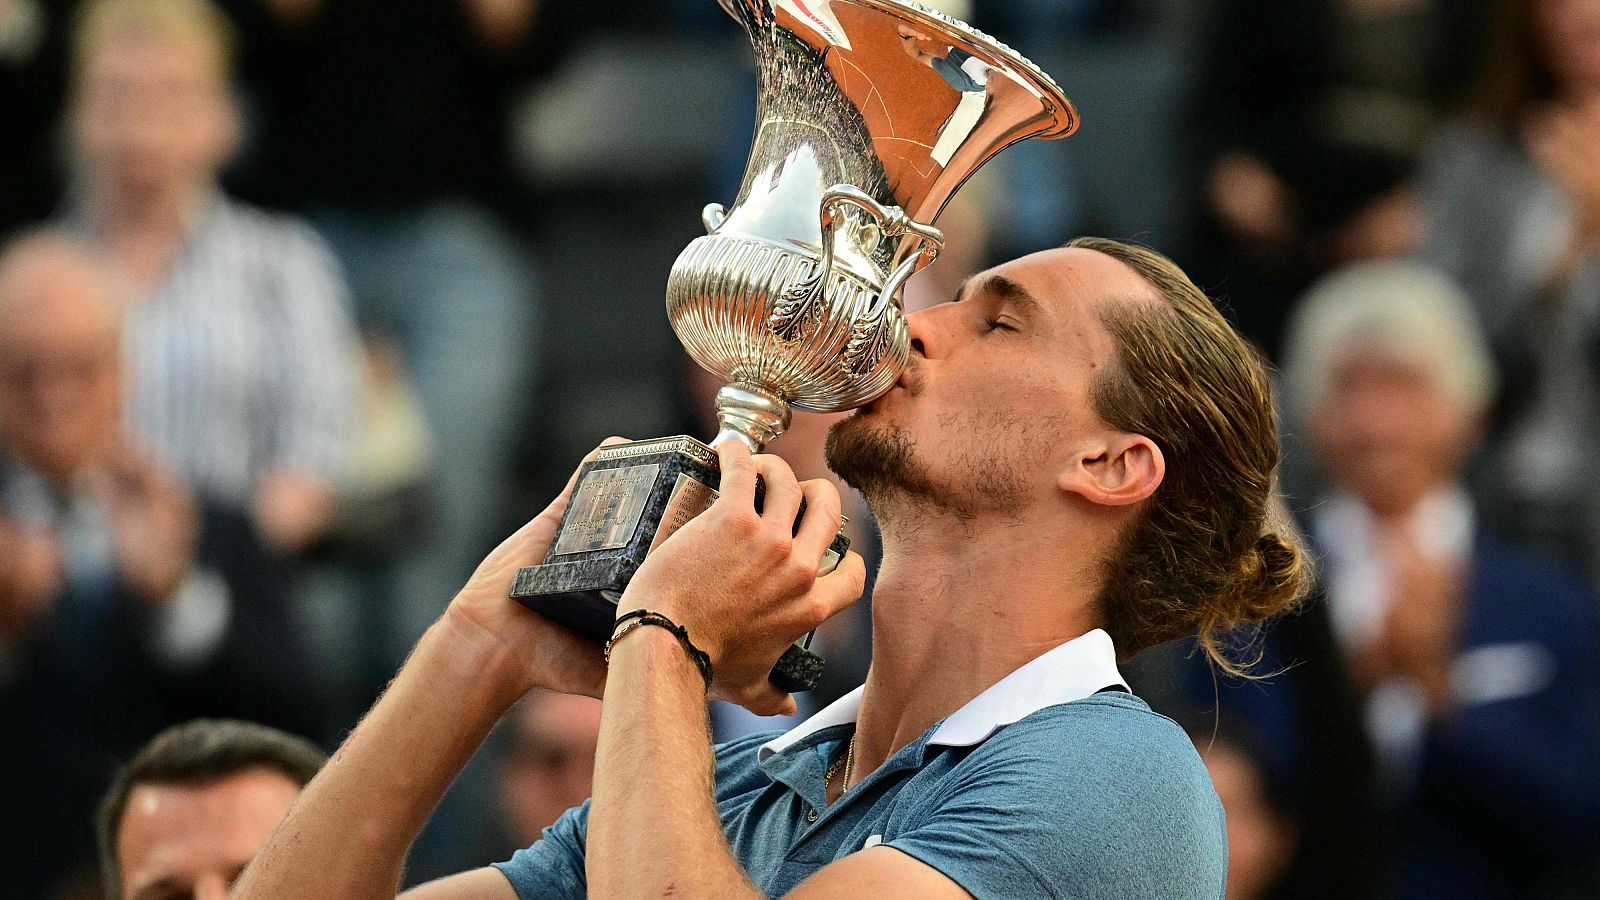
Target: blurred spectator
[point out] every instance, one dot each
(33, 41)
(1476, 661)
(548, 762)
(1513, 210)
(187, 813)
(388, 130)
(1308, 119)
(1261, 834)
(243, 360)
(126, 601)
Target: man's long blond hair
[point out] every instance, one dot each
(1204, 557)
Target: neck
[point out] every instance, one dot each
(161, 208)
(957, 606)
(143, 229)
(1393, 505)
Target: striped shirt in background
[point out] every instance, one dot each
(246, 358)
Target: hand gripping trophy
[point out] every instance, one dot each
(871, 114)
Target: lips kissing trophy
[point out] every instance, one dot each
(871, 114)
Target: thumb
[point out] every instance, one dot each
(842, 587)
(766, 699)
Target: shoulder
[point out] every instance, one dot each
(1111, 746)
(279, 238)
(1098, 797)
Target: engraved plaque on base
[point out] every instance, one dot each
(627, 501)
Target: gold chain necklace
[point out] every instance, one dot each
(848, 761)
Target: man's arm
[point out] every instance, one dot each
(654, 829)
(348, 833)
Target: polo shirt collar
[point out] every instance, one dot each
(1072, 671)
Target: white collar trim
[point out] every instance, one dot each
(1072, 671)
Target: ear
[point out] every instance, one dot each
(1115, 469)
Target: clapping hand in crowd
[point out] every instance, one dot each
(1564, 140)
(293, 510)
(30, 577)
(1422, 630)
(155, 525)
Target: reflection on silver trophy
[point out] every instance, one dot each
(871, 114)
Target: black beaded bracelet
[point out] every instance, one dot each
(629, 621)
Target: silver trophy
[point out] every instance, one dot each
(871, 114)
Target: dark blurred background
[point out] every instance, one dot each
(333, 293)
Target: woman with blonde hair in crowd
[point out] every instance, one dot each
(242, 356)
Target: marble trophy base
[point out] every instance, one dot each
(628, 500)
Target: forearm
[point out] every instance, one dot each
(653, 825)
(348, 834)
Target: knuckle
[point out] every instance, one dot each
(797, 575)
(775, 547)
(815, 613)
(742, 523)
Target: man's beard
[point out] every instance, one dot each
(876, 460)
(881, 462)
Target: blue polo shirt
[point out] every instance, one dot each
(1042, 786)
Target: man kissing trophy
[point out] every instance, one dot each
(872, 113)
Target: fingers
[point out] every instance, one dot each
(821, 520)
(738, 488)
(783, 493)
(763, 699)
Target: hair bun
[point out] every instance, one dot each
(1273, 575)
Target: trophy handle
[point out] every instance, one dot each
(713, 216)
(892, 221)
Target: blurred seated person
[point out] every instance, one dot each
(186, 814)
(127, 602)
(244, 363)
(547, 765)
(1512, 202)
(1476, 663)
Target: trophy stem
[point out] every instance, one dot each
(750, 415)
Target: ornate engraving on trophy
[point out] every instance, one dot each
(606, 510)
(689, 498)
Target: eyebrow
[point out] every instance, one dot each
(1011, 291)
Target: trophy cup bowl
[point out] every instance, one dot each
(871, 114)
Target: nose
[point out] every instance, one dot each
(920, 327)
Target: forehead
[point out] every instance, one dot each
(1071, 287)
(179, 830)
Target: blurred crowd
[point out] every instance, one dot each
(304, 302)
